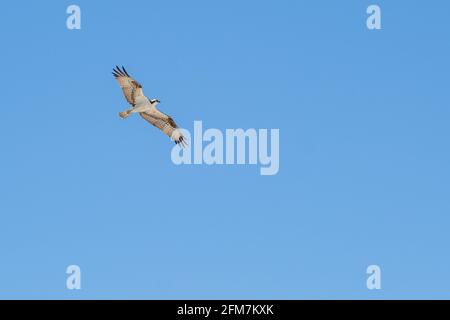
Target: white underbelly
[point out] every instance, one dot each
(142, 108)
(142, 105)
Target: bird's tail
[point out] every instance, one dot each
(124, 114)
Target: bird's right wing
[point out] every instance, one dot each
(167, 126)
(132, 90)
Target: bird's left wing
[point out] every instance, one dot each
(130, 87)
(168, 126)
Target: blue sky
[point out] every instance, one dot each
(364, 158)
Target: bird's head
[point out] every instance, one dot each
(155, 100)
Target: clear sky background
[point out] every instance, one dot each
(364, 157)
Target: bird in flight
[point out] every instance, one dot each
(146, 107)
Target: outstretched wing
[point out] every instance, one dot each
(168, 126)
(130, 87)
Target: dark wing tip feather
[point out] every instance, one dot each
(120, 72)
(125, 71)
(182, 142)
(116, 73)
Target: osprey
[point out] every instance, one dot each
(146, 107)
